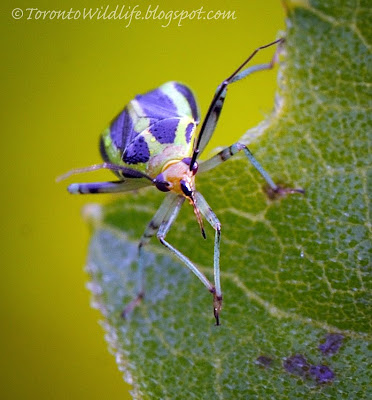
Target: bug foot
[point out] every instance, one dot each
(217, 305)
(132, 305)
(281, 191)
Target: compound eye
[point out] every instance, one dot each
(186, 188)
(162, 184)
(187, 161)
(195, 168)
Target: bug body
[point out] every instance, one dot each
(154, 129)
(154, 141)
(155, 134)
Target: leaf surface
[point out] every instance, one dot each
(296, 314)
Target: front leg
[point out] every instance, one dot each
(215, 290)
(210, 121)
(211, 217)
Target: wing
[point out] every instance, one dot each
(170, 100)
(149, 122)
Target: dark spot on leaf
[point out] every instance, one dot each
(264, 361)
(297, 365)
(321, 373)
(332, 344)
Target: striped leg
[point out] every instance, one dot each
(107, 187)
(167, 206)
(211, 217)
(210, 121)
(230, 151)
(256, 68)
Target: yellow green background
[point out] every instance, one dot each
(62, 82)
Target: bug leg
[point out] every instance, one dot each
(125, 172)
(168, 204)
(211, 217)
(216, 291)
(259, 67)
(107, 187)
(230, 151)
(210, 121)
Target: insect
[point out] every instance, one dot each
(154, 141)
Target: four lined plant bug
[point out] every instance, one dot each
(154, 141)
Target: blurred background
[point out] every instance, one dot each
(62, 82)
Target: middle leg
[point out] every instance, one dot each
(230, 151)
(166, 207)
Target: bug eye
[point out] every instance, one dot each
(162, 186)
(187, 161)
(186, 188)
(195, 168)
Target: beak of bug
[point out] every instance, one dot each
(198, 216)
(189, 193)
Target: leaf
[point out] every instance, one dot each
(295, 321)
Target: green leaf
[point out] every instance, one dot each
(294, 269)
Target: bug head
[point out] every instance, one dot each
(178, 178)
